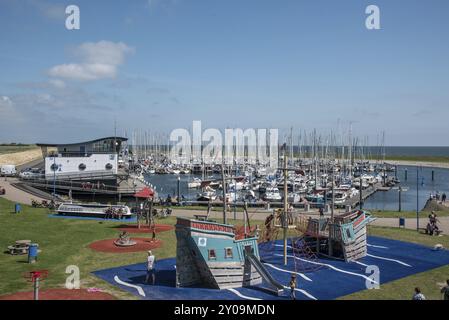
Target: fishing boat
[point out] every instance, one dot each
(209, 255)
(339, 196)
(94, 210)
(196, 183)
(315, 198)
(208, 194)
(272, 194)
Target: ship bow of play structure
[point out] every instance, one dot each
(343, 238)
(209, 255)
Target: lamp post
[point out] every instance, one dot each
(361, 190)
(417, 199)
(54, 176)
(179, 183)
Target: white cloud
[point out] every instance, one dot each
(98, 60)
(57, 83)
(5, 100)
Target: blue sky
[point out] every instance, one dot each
(158, 65)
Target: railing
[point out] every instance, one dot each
(79, 186)
(81, 175)
(78, 154)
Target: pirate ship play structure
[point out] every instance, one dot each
(340, 237)
(210, 254)
(344, 237)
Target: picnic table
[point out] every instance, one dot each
(20, 247)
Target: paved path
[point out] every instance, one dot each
(410, 223)
(16, 195)
(218, 215)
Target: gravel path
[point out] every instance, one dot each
(410, 223)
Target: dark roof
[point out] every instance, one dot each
(85, 142)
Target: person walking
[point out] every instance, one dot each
(293, 287)
(418, 295)
(443, 197)
(151, 270)
(153, 235)
(445, 291)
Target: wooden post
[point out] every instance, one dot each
(36, 288)
(150, 212)
(209, 207)
(224, 193)
(246, 217)
(332, 214)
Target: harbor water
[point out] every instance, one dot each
(166, 185)
(420, 188)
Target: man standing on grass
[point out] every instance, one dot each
(151, 270)
(445, 291)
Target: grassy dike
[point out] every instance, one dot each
(433, 159)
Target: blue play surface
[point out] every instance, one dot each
(395, 260)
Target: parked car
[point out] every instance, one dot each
(31, 173)
(8, 170)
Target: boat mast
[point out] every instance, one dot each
(223, 181)
(284, 216)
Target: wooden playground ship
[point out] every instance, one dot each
(208, 254)
(343, 237)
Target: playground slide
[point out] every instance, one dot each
(275, 286)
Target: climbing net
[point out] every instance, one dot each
(298, 249)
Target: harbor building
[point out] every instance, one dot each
(97, 159)
(95, 169)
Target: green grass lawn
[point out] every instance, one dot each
(64, 242)
(402, 289)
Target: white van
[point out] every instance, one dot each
(7, 170)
